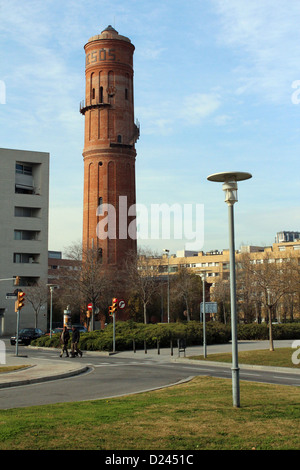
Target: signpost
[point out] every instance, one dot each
(90, 307)
(11, 296)
(210, 307)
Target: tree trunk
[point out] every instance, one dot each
(270, 329)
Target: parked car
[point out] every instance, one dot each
(80, 328)
(55, 331)
(26, 335)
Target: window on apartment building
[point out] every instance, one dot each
(28, 281)
(26, 211)
(26, 235)
(20, 190)
(173, 269)
(24, 179)
(25, 258)
(23, 169)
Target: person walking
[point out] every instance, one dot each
(64, 339)
(74, 343)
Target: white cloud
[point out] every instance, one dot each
(199, 106)
(190, 110)
(266, 38)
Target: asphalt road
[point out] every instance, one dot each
(117, 375)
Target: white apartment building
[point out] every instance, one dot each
(24, 201)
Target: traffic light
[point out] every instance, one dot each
(21, 300)
(114, 307)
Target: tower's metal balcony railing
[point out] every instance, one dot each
(83, 107)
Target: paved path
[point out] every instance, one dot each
(43, 369)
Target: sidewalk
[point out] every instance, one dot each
(41, 369)
(38, 370)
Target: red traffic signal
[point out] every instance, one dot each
(20, 302)
(114, 307)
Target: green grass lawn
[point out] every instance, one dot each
(192, 416)
(12, 368)
(280, 357)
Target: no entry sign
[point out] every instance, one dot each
(122, 304)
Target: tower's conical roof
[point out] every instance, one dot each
(109, 28)
(109, 33)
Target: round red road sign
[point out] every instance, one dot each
(122, 304)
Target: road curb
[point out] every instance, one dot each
(47, 378)
(287, 370)
(86, 352)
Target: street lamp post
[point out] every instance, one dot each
(51, 286)
(203, 277)
(229, 180)
(168, 251)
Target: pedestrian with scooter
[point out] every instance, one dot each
(64, 339)
(75, 351)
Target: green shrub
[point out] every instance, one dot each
(191, 332)
(255, 331)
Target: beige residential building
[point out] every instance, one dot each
(24, 200)
(216, 263)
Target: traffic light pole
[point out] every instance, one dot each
(17, 335)
(18, 305)
(114, 332)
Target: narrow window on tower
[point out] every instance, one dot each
(126, 93)
(119, 139)
(100, 208)
(101, 94)
(92, 90)
(93, 94)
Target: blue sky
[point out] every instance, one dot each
(213, 92)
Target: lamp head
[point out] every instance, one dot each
(229, 180)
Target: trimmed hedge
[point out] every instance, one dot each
(254, 331)
(191, 332)
(126, 332)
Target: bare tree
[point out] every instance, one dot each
(271, 280)
(87, 281)
(141, 276)
(221, 295)
(37, 296)
(186, 286)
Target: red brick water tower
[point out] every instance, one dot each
(109, 147)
